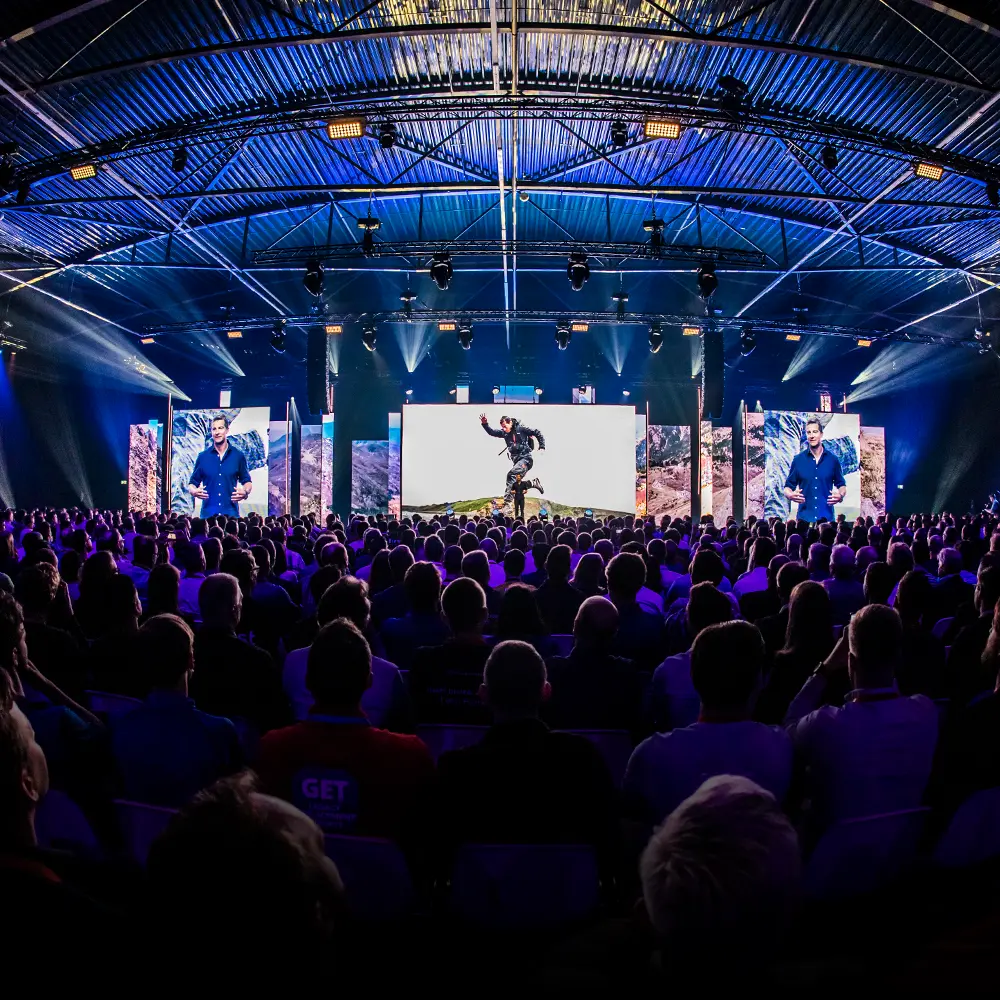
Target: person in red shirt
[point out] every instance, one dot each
(348, 776)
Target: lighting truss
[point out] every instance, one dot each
(550, 318)
(729, 256)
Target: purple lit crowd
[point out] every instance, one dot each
(582, 755)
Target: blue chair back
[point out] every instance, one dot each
(973, 836)
(60, 824)
(563, 644)
(375, 876)
(616, 748)
(440, 739)
(141, 824)
(110, 705)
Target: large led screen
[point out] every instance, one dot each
(668, 470)
(588, 459)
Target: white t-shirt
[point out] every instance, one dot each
(668, 767)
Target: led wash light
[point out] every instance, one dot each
(345, 128)
(865, 342)
(447, 326)
(579, 327)
(83, 171)
(929, 171)
(332, 328)
(793, 337)
(234, 334)
(662, 128)
(691, 331)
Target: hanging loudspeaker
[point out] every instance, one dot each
(713, 374)
(317, 371)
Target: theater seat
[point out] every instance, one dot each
(60, 824)
(563, 644)
(615, 745)
(861, 855)
(375, 876)
(440, 739)
(941, 627)
(973, 836)
(524, 886)
(110, 705)
(141, 824)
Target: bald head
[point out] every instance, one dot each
(596, 622)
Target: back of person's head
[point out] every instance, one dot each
(143, 551)
(162, 588)
(380, 575)
(605, 548)
(490, 548)
(323, 578)
(514, 681)
(220, 601)
(400, 560)
(880, 578)
(453, 556)
(476, 566)
(433, 549)
(774, 567)
(949, 562)
(987, 589)
(165, 650)
(596, 623)
(464, 605)
(819, 558)
(262, 558)
(422, 586)
(212, 548)
(900, 558)
(347, 598)
(518, 613)
(707, 606)
(810, 624)
(626, 574)
(842, 562)
(241, 870)
(513, 563)
(727, 661)
(914, 595)
(557, 563)
(468, 542)
(36, 588)
(876, 644)
(589, 576)
(723, 872)
(339, 668)
(191, 557)
(123, 601)
(241, 564)
(707, 565)
(762, 552)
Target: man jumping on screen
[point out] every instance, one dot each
(520, 445)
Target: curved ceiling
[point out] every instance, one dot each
(503, 115)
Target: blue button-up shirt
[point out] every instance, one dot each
(220, 476)
(816, 480)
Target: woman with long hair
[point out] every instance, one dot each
(380, 575)
(808, 641)
(588, 577)
(519, 618)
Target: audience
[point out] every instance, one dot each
(557, 599)
(422, 624)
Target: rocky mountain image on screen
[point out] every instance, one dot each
(370, 477)
(668, 470)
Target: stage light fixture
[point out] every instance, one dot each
(452, 390)
(22, 193)
(620, 300)
(313, 279)
(563, 336)
(690, 331)
(993, 192)
(369, 335)
(332, 328)
(579, 327)
(278, 337)
(83, 171)
(707, 281)
(829, 157)
(929, 171)
(655, 338)
(625, 392)
(387, 135)
(442, 271)
(465, 337)
(794, 337)
(619, 135)
(496, 390)
(179, 161)
(148, 340)
(345, 128)
(662, 128)
(447, 326)
(409, 392)
(369, 224)
(864, 342)
(578, 270)
(538, 391)
(234, 334)
(655, 229)
(748, 341)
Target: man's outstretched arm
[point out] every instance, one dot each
(489, 430)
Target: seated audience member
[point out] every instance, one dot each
(922, 667)
(640, 628)
(847, 594)
(726, 665)
(232, 677)
(872, 754)
(967, 675)
(513, 568)
(808, 641)
(91, 608)
(243, 873)
(113, 661)
(162, 589)
(591, 687)
(453, 555)
(476, 566)
(589, 576)
(557, 599)
(445, 679)
(519, 619)
(274, 612)
(423, 624)
(951, 592)
(673, 700)
(818, 562)
(54, 651)
(539, 553)
(192, 559)
(722, 876)
(758, 604)
(385, 702)
(524, 784)
(880, 580)
(142, 563)
(392, 602)
(346, 774)
(762, 552)
(167, 750)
